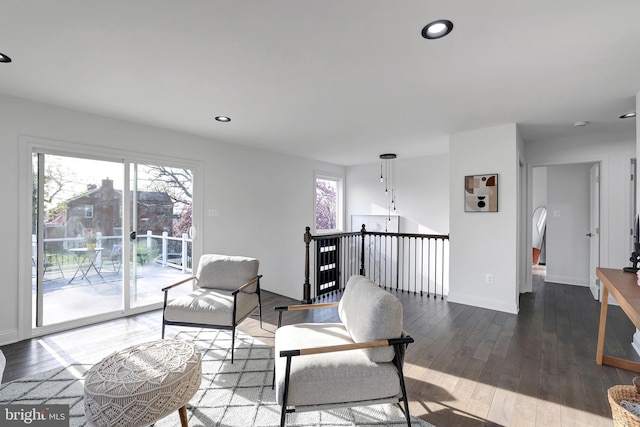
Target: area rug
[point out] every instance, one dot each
(237, 394)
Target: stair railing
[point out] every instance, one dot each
(408, 262)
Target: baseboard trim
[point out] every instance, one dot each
(474, 301)
(8, 337)
(566, 280)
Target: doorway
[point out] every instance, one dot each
(568, 248)
(107, 235)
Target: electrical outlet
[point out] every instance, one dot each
(488, 278)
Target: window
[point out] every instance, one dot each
(88, 211)
(328, 210)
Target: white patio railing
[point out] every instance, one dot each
(165, 250)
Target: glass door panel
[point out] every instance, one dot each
(159, 239)
(76, 238)
(92, 257)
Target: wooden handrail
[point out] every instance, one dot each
(246, 285)
(355, 257)
(347, 347)
(179, 283)
(300, 307)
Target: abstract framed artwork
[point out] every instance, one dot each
(481, 193)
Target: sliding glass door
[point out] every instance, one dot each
(106, 236)
(160, 236)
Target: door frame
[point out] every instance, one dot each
(30, 144)
(604, 211)
(594, 206)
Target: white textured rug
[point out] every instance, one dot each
(237, 394)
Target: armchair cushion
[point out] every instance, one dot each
(226, 272)
(370, 313)
(327, 378)
(210, 307)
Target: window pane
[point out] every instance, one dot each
(92, 254)
(162, 220)
(73, 276)
(326, 204)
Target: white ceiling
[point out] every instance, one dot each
(334, 80)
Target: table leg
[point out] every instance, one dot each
(604, 305)
(92, 264)
(85, 272)
(183, 416)
(79, 269)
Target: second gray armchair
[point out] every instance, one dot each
(226, 291)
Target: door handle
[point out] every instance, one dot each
(133, 235)
(589, 234)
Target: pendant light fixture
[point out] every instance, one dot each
(388, 178)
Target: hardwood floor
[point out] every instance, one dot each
(468, 367)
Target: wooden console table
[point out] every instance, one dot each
(624, 287)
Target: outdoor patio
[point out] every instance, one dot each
(100, 290)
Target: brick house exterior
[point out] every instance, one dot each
(99, 210)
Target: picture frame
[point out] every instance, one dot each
(481, 193)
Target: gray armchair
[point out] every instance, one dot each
(226, 291)
(355, 362)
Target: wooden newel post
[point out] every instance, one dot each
(362, 231)
(306, 288)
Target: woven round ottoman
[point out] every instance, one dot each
(142, 384)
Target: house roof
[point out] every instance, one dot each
(59, 220)
(154, 197)
(339, 81)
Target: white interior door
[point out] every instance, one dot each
(594, 230)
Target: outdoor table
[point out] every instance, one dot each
(84, 256)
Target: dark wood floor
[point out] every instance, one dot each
(468, 367)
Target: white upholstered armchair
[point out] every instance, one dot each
(355, 362)
(226, 291)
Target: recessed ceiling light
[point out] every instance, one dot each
(580, 124)
(437, 29)
(628, 115)
(4, 58)
(223, 119)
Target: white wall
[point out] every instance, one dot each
(614, 151)
(422, 193)
(485, 243)
(264, 199)
(567, 246)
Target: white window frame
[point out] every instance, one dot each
(88, 211)
(339, 180)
